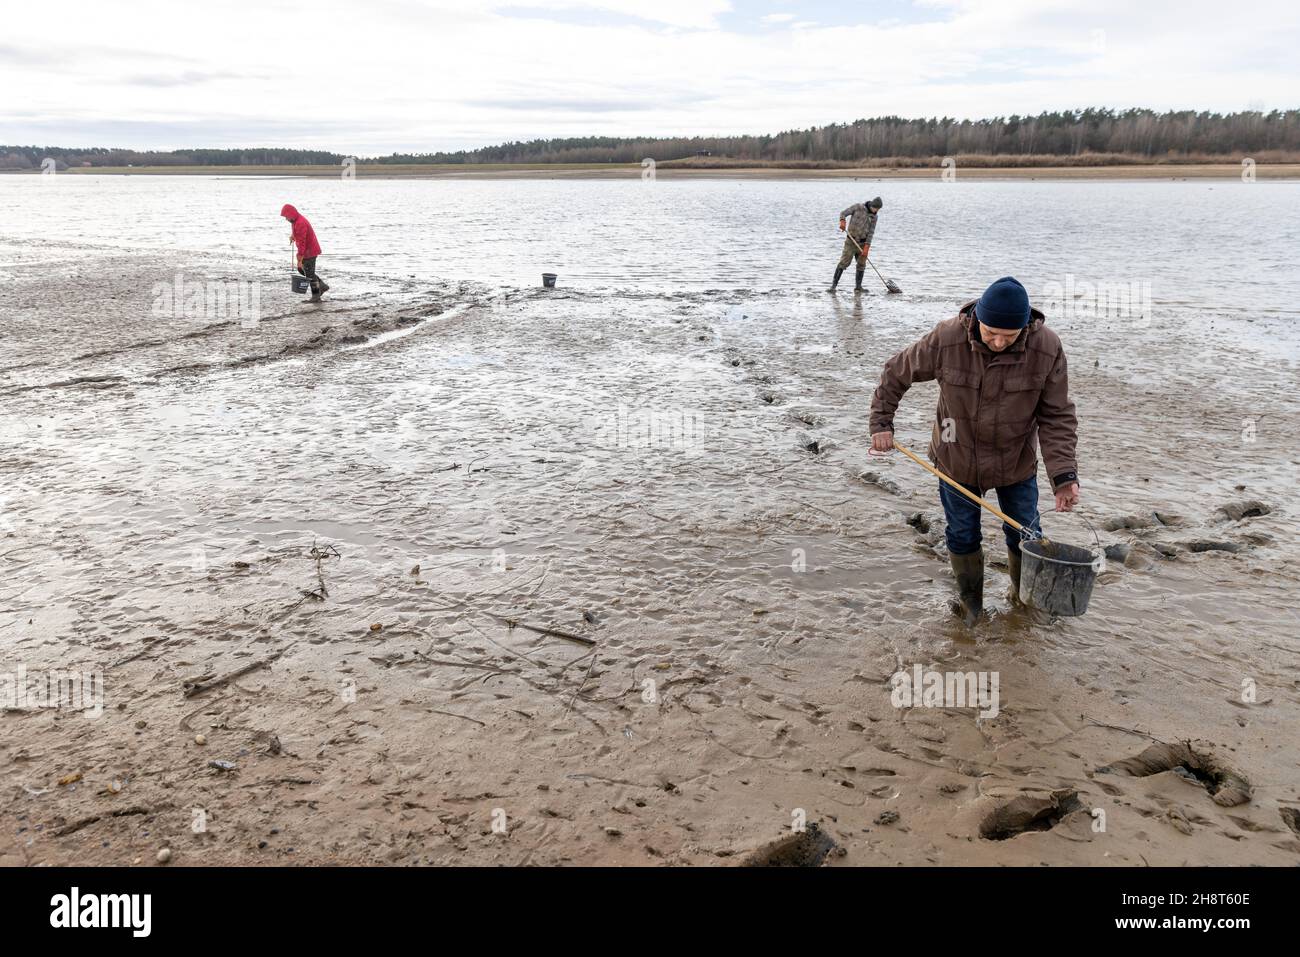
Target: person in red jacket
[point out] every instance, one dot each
(304, 237)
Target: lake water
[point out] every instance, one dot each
(1202, 249)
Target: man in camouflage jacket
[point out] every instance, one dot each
(861, 222)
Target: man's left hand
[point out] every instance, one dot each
(1067, 496)
(300, 264)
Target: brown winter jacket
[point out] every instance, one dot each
(994, 407)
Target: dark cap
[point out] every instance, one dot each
(1004, 305)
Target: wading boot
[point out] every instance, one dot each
(969, 572)
(315, 295)
(857, 280)
(839, 271)
(1013, 570)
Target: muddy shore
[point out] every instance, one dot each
(445, 573)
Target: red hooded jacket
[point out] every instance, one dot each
(303, 234)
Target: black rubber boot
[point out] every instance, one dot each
(969, 572)
(1013, 570)
(857, 280)
(839, 271)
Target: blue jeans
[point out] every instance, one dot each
(1020, 501)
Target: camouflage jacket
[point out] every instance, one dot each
(862, 226)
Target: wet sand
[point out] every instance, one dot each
(346, 506)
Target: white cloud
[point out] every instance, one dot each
(404, 75)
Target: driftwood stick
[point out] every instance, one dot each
(578, 691)
(515, 623)
(200, 685)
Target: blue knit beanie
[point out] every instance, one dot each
(1004, 305)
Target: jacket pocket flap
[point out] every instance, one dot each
(1022, 383)
(970, 380)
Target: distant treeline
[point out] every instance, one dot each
(1141, 134)
(1086, 137)
(31, 157)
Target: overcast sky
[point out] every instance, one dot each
(368, 77)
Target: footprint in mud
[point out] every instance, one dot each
(769, 397)
(1029, 813)
(815, 446)
(1123, 522)
(882, 483)
(1140, 522)
(806, 848)
(1252, 827)
(1174, 549)
(1291, 818)
(1227, 787)
(1236, 511)
(1204, 545)
(807, 417)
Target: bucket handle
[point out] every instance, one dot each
(1098, 563)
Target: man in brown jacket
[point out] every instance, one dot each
(1003, 389)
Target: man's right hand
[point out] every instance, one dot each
(882, 442)
(842, 224)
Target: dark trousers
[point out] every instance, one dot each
(309, 270)
(852, 252)
(1020, 501)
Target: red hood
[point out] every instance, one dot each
(288, 212)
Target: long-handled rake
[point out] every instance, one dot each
(889, 283)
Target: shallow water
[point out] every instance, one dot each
(1208, 250)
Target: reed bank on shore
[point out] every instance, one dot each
(1223, 171)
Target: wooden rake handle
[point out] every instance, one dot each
(964, 491)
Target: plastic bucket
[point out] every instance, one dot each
(301, 284)
(1056, 577)
(548, 279)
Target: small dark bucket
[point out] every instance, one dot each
(1058, 578)
(548, 279)
(301, 284)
